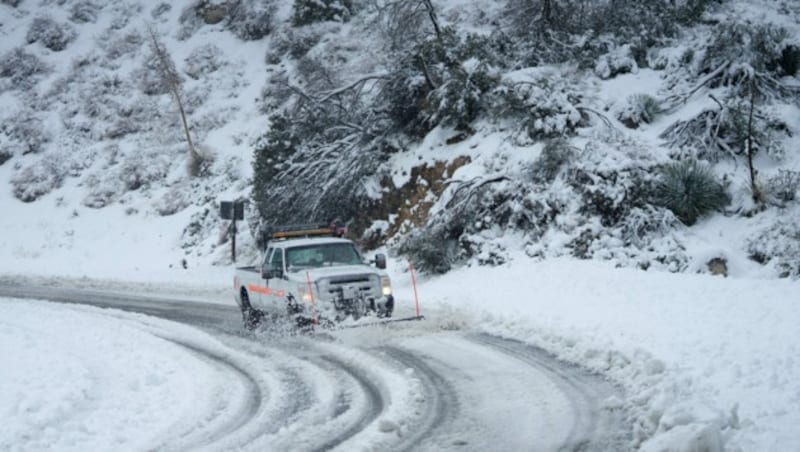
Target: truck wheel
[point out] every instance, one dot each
(386, 312)
(251, 317)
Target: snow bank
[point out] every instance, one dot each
(79, 378)
(705, 361)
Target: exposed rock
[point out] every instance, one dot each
(718, 266)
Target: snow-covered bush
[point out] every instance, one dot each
(250, 20)
(160, 9)
(11, 3)
(545, 102)
(778, 246)
(53, 35)
(790, 59)
(27, 133)
(743, 55)
(307, 12)
(690, 190)
(20, 68)
(619, 61)
(432, 251)
(191, 18)
(642, 224)
(725, 132)
(117, 46)
(38, 179)
(141, 169)
(782, 188)
(555, 154)
(5, 156)
(203, 60)
(638, 109)
(173, 201)
(295, 42)
(85, 11)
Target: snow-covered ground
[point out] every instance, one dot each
(704, 360)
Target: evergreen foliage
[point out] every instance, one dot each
(690, 190)
(639, 108)
(307, 12)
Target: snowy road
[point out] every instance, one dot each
(409, 386)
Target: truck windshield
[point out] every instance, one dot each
(322, 255)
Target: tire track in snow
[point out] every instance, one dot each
(441, 400)
(373, 405)
(594, 428)
(242, 416)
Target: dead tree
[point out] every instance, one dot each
(172, 80)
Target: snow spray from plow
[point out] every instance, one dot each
(418, 315)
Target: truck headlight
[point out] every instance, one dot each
(386, 286)
(305, 295)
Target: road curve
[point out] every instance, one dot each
(435, 390)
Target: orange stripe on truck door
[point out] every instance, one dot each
(259, 289)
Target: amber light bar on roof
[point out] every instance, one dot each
(302, 233)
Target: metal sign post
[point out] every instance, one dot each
(232, 210)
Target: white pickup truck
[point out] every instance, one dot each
(310, 277)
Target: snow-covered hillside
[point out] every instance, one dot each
(551, 153)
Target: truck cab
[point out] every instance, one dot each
(311, 274)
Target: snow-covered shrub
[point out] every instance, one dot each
(85, 11)
(5, 156)
(778, 246)
(160, 9)
(21, 69)
(642, 224)
(555, 154)
(11, 3)
(118, 46)
(295, 42)
(38, 179)
(619, 61)
(638, 109)
(790, 59)
(431, 251)
(53, 35)
(690, 190)
(715, 134)
(307, 12)
(744, 55)
(141, 169)
(546, 102)
(250, 20)
(203, 60)
(173, 201)
(190, 20)
(122, 12)
(782, 188)
(27, 133)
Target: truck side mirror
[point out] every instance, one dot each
(266, 271)
(380, 261)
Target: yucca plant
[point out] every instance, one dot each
(690, 190)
